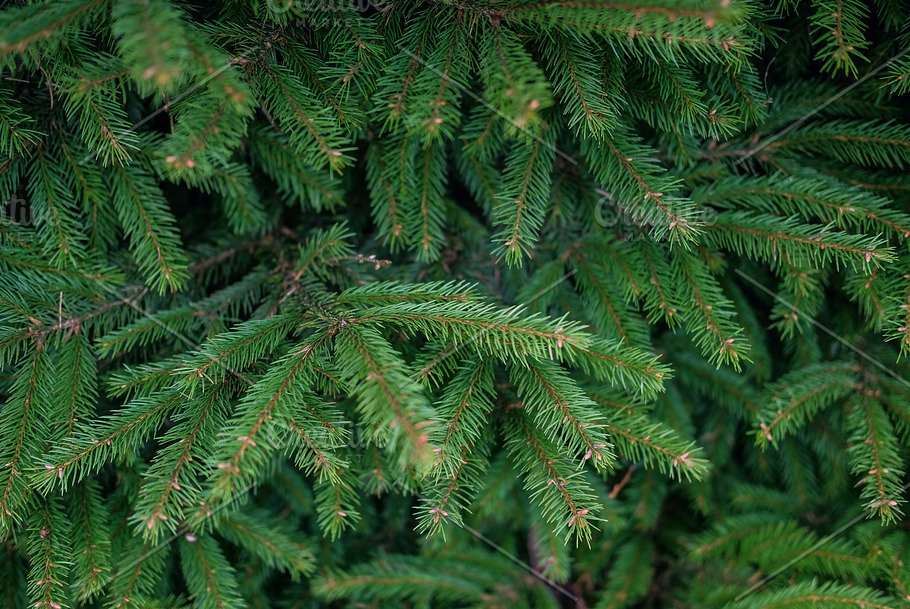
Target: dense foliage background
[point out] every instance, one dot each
(454, 303)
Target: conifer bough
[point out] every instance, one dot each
(454, 304)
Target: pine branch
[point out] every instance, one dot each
(233, 466)
(23, 425)
(209, 576)
(275, 546)
(526, 186)
(49, 556)
(563, 496)
(875, 456)
(144, 214)
(798, 395)
(27, 25)
(90, 534)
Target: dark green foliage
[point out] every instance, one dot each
(454, 304)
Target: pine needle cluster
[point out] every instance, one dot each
(454, 303)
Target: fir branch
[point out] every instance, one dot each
(233, 351)
(640, 439)
(577, 79)
(389, 401)
(810, 197)
(22, 430)
(210, 577)
(764, 236)
(561, 494)
(313, 133)
(49, 551)
(268, 397)
(838, 26)
(89, 185)
(103, 124)
(67, 464)
(169, 485)
(380, 293)
(16, 137)
(812, 594)
(586, 8)
(637, 189)
(144, 214)
(275, 546)
(90, 532)
(862, 142)
(397, 577)
(295, 176)
(128, 586)
(514, 85)
(797, 396)
(29, 24)
(875, 456)
(54, 213)
(709, 320)
(526, 185)
(336, 505)
(626, 581)
(152, 40)
(612, 315)
(76, 369)
(434, 114)
(462, 413)
(425, 213)
(572, 416)
(900, 318)
(386, 209)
